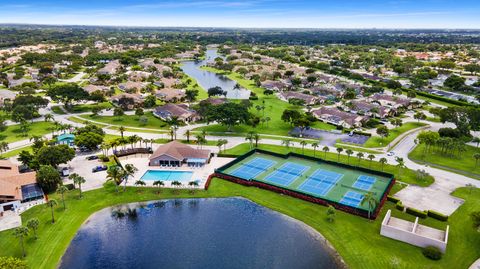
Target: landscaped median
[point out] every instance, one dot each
(356, 239)
(378, 142)
(463, 163)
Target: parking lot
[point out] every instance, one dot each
(83, 167)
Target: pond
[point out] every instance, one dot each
(207, 79)
(195, 233)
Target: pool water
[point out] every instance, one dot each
(167, 175)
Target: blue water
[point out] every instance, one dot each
(167, 175)
(195, 233)
(207, 79)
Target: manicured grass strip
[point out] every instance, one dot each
(463, 163)
(13, 132)
(405, 175)
(356, 239)
(130, 121)
(377, 141)
(15, 152)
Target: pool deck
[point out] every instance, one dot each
(199, 173)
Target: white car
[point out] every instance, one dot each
(391, 153)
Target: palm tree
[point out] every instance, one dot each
(400, 164)
(193, 184)
(267, 119)
(225, 142)
(62, 190)
(130, 170)
(20, 233)
(121, 129)
(115, 174)
(360, 155)
(326, 149)
(33, 224)
(219, 145)
(287, 143)
(314, 146)
(176, 184)
(140, 183)
(52, 203)
(383, 161)
(339, 150)
(470, 187)
(200, 140)
(3, 147)
(187, 134)
(369, 198)
(159, 184)
(48, 117)
(303, 143)
(257, 138)
(370, 157)
(477, 157)
(349, 152)
(250, 138)
(476, 140)
(78, 180)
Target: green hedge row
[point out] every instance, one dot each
(437, 215)
(416, 212)
(393, 199)
(225, 155)
(399, 206)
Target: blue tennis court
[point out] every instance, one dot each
(364, 182)
(352, 198)
(286, 174)
(253, 168)
(320, 182)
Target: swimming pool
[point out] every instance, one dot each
(167, 175)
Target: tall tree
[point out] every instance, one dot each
(20, 233)
(371, 202)
(33, 224)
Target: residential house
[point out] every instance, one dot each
(371, 109)
(276, 85)
(171, 95)
(176, 154)
(306, 98)
(95, 88)
(16, 187)
(181, 112)
(339, 118)
(111, 68)
(131, 86)
(6, 95)
(391, 100)
(127, 100)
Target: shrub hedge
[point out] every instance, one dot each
(433, 253)
(400, 206)
(437, 215)
(416, 212)
(393, 199)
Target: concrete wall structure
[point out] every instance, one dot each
(413, 232)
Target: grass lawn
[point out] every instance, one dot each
(14, 153)
(58, 110)
(406, 175)
(13, 133)
(463, 164)
(345, 147)
(377, 141)
(274, 108)
(88, 107)
(129, 121)
(356, 239)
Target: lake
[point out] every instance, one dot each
(207, 79)
(195, 233)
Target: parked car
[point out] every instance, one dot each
(99, 168)
(391, 153)
(93, 157)
(64, 172)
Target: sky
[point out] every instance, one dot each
(450, 14)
